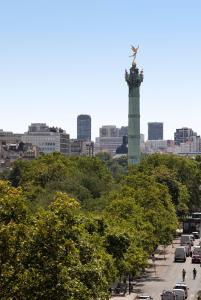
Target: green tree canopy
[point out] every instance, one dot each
(180, 174)
(51, 255)
(81, 177)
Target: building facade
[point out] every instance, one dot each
(155, 131)
(8, 138)
(47, 139)
(183, 135)
(84, 127)
(153, 146)
(80, 147)
(110, 138)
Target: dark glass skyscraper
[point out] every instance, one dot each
(84, 127)
(155, 131)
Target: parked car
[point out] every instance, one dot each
(196, 255)
(197, 250)
(182, 285)
(180, 294)
(196, 234)
(196, 259)
(168, 295)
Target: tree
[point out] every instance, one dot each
(64, 260)
(84, 178)
(153, 198)
(184, 170)
(128, 235)
(14, 234)
(50, 256)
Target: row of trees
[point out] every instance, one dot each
(51, 255)
(69, 227)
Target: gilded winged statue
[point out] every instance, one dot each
(135, 50)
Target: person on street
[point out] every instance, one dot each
(194, 273)
(183, 274)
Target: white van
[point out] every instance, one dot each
(180, 254)
(186, 239)
(192, 238)
(180, 294)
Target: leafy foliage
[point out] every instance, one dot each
(81, 177)
(53, 256)
(181, 175)
(92, 220)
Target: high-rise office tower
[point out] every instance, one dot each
(155, 131)
(183, 135)
(84, 127)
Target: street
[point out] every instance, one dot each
(168, 273)
(165, 274)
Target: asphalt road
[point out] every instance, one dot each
(167, 273)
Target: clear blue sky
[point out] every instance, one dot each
(62, 58)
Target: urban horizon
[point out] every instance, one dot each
(54, 70)
(94, 137)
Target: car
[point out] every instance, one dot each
(197, 250)
(182, 285)
(180, 294)
(168, 295)
(196, 259)
(196, 234)
(196, 254)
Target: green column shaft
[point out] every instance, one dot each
(134, 127)
(134, 80)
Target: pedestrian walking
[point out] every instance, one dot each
(183, 274)
(194, 273)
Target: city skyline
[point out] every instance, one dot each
(59, 60)
(122, 129)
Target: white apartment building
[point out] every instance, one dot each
(47, 139)
(193, 146)
(109, 139)
(109, 144)
(161, 146)
(169, 146)
(152, 146)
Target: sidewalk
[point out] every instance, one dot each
(160, 256)
(132, 296)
